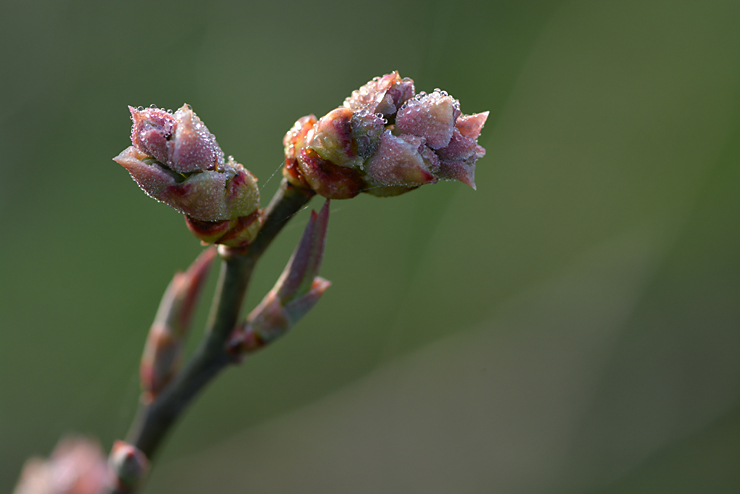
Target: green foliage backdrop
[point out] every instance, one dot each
(572, 326)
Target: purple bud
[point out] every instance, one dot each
(77, 466)
(208, 195)
(176, 160)
(462, 171)
(180, 141)
(384, 141)
(332, 138)
(398, 165)
(152, 131)
(462, 152)
(383, 95)
(431, 116)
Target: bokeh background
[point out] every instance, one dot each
(572, 326)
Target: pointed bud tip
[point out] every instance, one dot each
(304, 264)
(468, 178)
(320, 285)
(129, 464)
(323, 218)
(300, 306)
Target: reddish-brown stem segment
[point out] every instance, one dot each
(155, 419)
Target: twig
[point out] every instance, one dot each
(154, 420)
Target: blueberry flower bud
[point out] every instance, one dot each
(383, 95)
(176, 160)
(384, 141)
(77, 466)
(180, 141)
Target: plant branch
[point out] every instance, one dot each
(155, 419)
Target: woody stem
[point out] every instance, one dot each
(155, 419)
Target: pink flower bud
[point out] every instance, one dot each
(431, 116)
(180, 141)
(176, 160)
(383, 95)
(129, 466)
(399, 165)
(384, 141)
(77, 466)
(294, 141)
(332, 140)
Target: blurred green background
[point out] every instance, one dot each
(572, 326)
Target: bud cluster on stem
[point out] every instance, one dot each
(176, 160)
(384, 140)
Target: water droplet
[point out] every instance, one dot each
(140, 108)
(152, 105)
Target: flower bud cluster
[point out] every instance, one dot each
(385, 140)
(77, 466)
(176, 160)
